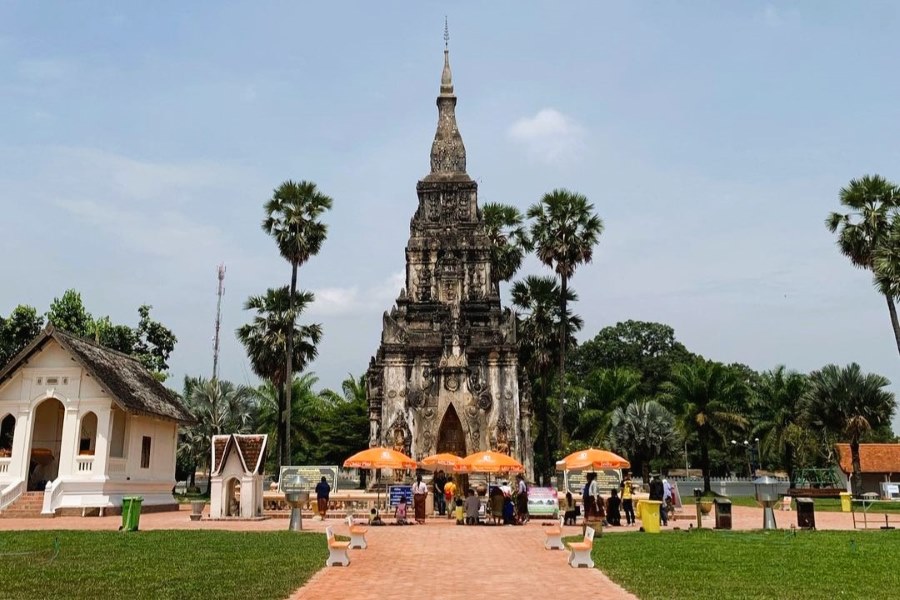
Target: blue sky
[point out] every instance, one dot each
(139, 141)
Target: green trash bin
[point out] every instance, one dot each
(131, 512)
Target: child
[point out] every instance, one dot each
(509, 512)
(375, 518)
(570, 514)
(400, 512)
(460, 512)
(473, 505)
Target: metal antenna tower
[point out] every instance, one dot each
(219, 293)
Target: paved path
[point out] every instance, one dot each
(452, 562)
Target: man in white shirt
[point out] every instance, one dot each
(420, 492)
(522, 499)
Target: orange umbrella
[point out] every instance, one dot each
(444, 459)
(380, 458)
(489, 462)
(594, 459)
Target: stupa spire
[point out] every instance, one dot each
(448, 154)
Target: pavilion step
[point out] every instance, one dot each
(26, 506)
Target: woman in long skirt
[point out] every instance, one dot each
(420, 492)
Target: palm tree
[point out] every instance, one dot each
(849, 403)
(346, 423)
(292, 219)
(218, 407)
(505, 228)
(564, 233)
(537, 299)
(777, 420)
(265, 339)
(604, 391)
(872, 202)
(643, 431)
(700, 394)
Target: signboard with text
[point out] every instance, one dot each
(607, 479)
(395, 492)
(303, 478)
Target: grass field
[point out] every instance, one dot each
(743, 565)
(157, 564)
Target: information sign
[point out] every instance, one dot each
(303, 478)
(395, 492)
(607, 479)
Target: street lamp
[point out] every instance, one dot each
(758, 455)
(746, 444)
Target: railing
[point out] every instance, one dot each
(84, 464)
(4, 465)
(116, 466)
(870, 513)
(9, 495)
(51, 494)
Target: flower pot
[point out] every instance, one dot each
(197, 509)
(706, 505)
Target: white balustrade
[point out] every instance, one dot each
(12, 492)
(85, 464)
(116, 466)
(4, 465)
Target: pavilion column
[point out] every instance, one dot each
(69, 446)
(20, 456)
(101, 443)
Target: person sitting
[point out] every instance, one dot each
(571, 510)
(612, 508)
(400, 512)
(460, 512)
(509, 511)
(375, 518)
(473, 505)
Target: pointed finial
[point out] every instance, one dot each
(446, 34)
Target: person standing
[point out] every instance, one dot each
(420, 493)
(437, 483)
(627, 505)
(522, 499)
(668, 500)
(323, 491)
(657, 493)
(587, 499)
(449, 492)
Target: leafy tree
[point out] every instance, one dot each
(69, 314)
(154, 342)
(603, 392)
(505, 227)
(117, 337)
(292, 219)
(17, 330)
(648, 348)
(776, 419)
(643, 431)
(848, 403)
(306, 432)
(872, 204)
(537, 299)
(701, 394)
(345, 427)
(564, 232)
(218, 407)
(265, 340)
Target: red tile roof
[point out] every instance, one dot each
(251, 450)
(873, 458)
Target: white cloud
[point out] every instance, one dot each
(351, 300)
(549, 136)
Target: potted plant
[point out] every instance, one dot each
(197, 509)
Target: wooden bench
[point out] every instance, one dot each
(554, 537)
(357, 535)
(580, 552)
(337, 551)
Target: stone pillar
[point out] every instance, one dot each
(69, 446)
(20, 457)
(101, 443)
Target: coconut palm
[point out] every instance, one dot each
(292, 219)
(603, 392)
(849, 403)
(265, 339)
(863, 232)
(305, 432)
(218, 407)
(345, 429)
(505, 227)
(564, 232)
(777, 421)
(537, 299)
(643, 431)
(700, 394)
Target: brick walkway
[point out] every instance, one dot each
(451, 562)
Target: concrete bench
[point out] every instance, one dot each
(101, 508)
(337, 551)
(580, 552)
(554, 537)
(357, 535)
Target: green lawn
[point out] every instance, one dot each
(777, 564)
(157, 564)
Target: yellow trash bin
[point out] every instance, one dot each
(845, 501)
(650, 515)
